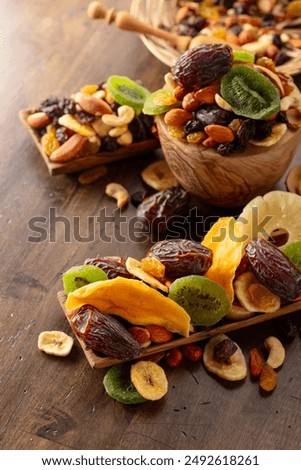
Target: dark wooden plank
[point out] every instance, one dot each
(51, 47)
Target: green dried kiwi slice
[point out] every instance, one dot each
(79, 276)
(127, 92)
(243, 56)
(160, 102)
(293, 252)
(205, 301)
(118, 385)
(250, 93)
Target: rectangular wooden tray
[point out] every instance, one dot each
(88, 161)
(101, 362)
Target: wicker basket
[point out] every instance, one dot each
(163, 12)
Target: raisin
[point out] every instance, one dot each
(277, 41)
(281, 117)
(201, 65)
(263, 129)
(226, 149)
(156, 210)
(273, 269)
(182, 257)
(104, 334)
(113, 266)
(236, 29)
(84, 117)
(138, 130)
(62, 134)
(245, 132)
(268, 20)
(194, 125)
(212, 114)
(109, 144)
(224, 350)
(137, 197)
(281, 58)
(67, 106)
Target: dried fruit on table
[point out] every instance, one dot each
(133, 301)
(159, 176)
(182, 257)
(104, 334)
(204, 300)
(268, 378)
(174, 357)
(159, 334)
(256, 363)
(234, 369)
(149, 379)
(55, 343)
(156, 210)
(250, 94)
(79, 276)
(225, 242)
(265, 214)
(192, 352)
(274, 270)
(201, 65)
(118, 385)
(253, 296)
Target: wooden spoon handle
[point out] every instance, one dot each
(126, 21)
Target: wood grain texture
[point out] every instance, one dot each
(46, 402)
(228, 181)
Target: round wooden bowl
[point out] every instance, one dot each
(227, 181)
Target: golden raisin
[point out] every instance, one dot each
(89, 89)
(49, 143)
(176, 132)
(196, 137)
(163, 99)
(153, 266)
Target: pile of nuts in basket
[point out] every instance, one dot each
(98, 118)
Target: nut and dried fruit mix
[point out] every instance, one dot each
(98, 118)
(263, 27)
(224, 99)
(123, 308)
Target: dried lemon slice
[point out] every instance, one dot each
(55, 343)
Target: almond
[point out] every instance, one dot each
(219, 133)
(179, 92)
(69, 149)
(190, 103)
(159, 334)
(38, 120)
(177, 117)
(209, 142)
(207, 94)
(92, 105)
(141, 335)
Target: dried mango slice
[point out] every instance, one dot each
(224, 240)
(133, 301)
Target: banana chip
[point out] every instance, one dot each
(278, 131)
(134, 267)
(55, 343)
(149, 379)
(159, 176)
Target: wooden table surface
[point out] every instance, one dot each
(51, 47)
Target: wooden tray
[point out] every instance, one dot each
(88, 161)
(101, 362)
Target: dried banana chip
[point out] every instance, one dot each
(159, 176)
(55, 343)
(134, 267)
(278, 132)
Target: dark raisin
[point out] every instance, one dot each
(212, 114)
(62, 134)
(246, 131)
(227, 3)
(85, 117)
(109, 144)
(138, 130)
(137, 197)
(201, 65)
(182, 257)
(113, 266)
(287, 328)
(268, 20)
(277, 41)
(226, 149)
(240, 9)
(236, 29)
(224, 350)
(156, 211)
(263, 129)
(194, 125)
(114, 106)
(281, 117)
(67, 106)
(281, 58)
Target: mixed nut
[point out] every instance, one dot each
(98, 118)
(224, 99)
(119, 307)
(255, 26)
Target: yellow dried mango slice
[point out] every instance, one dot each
(224, 239)
(133, 301)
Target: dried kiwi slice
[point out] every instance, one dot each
(293, 252)
(243, 56)
(160, 102)
(127, 92)
(205, 301)
(118, 385)
(250, 94)
(79, 276)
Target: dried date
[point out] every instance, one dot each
(273, 269)
(113, 266)
(182, 257)
(104, 334)
(157, 210)
(201, 65)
